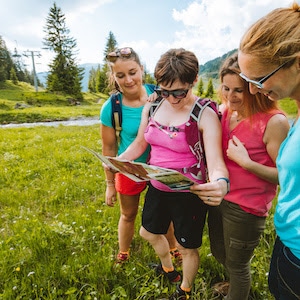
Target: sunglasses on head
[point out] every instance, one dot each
(122, 52)
(177, 94)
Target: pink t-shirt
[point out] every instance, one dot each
(169, 149)
(251, 193)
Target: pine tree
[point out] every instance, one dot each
(102, 84)
(200, 87)
(6, 62)
(210, 89)
(64, 76)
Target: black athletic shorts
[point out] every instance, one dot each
(186, 210)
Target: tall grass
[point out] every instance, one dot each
(57, 238)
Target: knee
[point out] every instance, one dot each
(128, 217)
(145, 234)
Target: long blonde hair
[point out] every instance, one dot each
(275, 38)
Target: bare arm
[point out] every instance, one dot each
(276, 131)
(109, 148)
(139, 145)
(212, 193)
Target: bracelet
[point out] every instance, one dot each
(227, 181)
(110, 182)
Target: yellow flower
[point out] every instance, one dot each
(18, 269)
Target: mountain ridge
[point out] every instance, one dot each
(208, 70)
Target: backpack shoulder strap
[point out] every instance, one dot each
(194, 137)
(155, 104)
(199, 107)
(116, 117)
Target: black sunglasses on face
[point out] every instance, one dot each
(259, 83)
(122, 52)
(177, 94)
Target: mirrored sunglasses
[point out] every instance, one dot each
(122, 52)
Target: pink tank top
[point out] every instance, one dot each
(251, 193)
(169, 149)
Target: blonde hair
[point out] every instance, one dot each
(275, 38)
(254, 103)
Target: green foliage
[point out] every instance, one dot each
(210, 89)
(200, 88)
(289, 106)
(13, 76)
(211, 68)
(64, 75)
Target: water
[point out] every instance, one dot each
(71, 122)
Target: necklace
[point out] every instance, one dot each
(173, 131)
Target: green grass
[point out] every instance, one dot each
(42, 106)
(59, 240)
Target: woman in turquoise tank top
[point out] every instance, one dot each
(269, 58)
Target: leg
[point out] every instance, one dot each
(190, 265)
(160, 245)
(171, 237)
(284, 273)
(129, 208)
(215, 232)
(241, 235)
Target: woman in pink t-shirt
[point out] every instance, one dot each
(252, 130)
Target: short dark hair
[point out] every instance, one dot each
(176, 64)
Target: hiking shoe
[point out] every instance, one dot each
(221, 288)
(122, 258)
(173, 276)
(176, 257)
(179, 294)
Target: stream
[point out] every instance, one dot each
(71, 122)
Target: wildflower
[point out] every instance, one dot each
(18, 269)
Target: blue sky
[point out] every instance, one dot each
(210, 28)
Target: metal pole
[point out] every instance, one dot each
(34, 72)
(33, 53)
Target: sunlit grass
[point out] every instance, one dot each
(57, 238)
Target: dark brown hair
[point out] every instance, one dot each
(176, 64)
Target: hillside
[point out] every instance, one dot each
(209, 70)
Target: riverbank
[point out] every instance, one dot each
(71, 122)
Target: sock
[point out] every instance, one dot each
(188, 290)
(168, 270)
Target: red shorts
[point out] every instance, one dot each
(126, 186)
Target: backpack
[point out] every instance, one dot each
(116, 117)
(194, 137)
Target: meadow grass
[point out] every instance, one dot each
(58, 240)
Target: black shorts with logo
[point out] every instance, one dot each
(186, 210)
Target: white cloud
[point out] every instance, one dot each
(210, 28)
